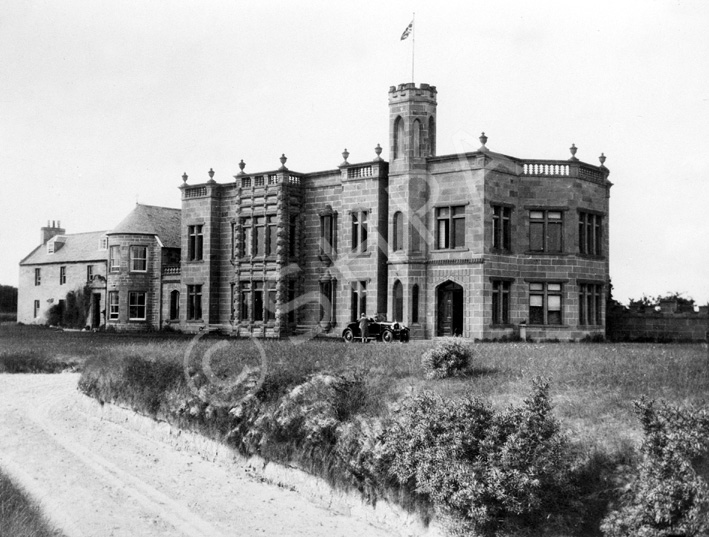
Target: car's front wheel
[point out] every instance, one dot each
(348, 336)
(387, 336)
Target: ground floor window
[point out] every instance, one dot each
(36, 309)
(136, 306)
(415, 303)
(327, 301)
(398, 293)
(545, 303)
(258, 301)
(194, 302)
(358, 297)
(500, 302)
(590, 303)
(174, 305)
(113, 306)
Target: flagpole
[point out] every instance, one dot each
(413, 43)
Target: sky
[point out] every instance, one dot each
(103, 104)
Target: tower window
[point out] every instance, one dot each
(398, 137)
(398, 231)
(195, 242)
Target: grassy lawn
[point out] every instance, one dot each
(19, 516)
(593, 385)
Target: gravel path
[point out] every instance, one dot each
(96, 478)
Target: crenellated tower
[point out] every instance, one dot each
(412, 126)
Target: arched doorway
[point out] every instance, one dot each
(449, 309)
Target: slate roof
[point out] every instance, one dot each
(77, 247)
(151, 220)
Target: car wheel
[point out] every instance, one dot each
(387, 336)
(348, 336)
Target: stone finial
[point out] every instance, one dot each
(184, 177)
(242, 165)
(345, 155)
(573, 150)
(602, 158)
(283, 160)
(378, 151)
(211, 175)
(483, 141)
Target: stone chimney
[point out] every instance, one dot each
(50, 231)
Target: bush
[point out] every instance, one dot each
(667, 495)
(485, 471)
(448, 358)
(30, 361)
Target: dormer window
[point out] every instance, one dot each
(55, 243)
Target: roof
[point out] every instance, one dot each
(151, 220)
(76, 248)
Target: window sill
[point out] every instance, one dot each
(361, 254)
(548, 326)
(449, 250)
(501, 326)
(591, 256)
(195, 261)
(500, 251)
(533, 252)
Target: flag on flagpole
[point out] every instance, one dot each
(407, 31)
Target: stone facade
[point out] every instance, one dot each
(473, 244)
(60, 264)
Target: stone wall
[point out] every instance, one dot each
(624, 325)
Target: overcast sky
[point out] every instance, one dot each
(107, 103)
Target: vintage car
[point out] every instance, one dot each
(380, 330)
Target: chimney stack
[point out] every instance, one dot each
(50, 231)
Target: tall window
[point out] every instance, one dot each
(398, 296)
(545, 303)
(590, 303)
(37, 277)
(194, 302)
(115, 259)
(247, 237)
(415, 303)
(450, 227)
(291, 301)
(398, 231)
(113, 305)
(174, 305)
(292, 235)
(416, 135)
(272, 235)
(590, 233)
(398, 137)
(545, 229)
(500, 302)
(136, 306)
(327, 301)
(232, 298)
(195, 243)
(431, 136)
(36, 309)
(358, 297)
(246, 307)
(501, 228)
(327, 234)
(138, 258)
(270, 301)
(258, 301)
(62, 275)
(259, 248)
(89, 273)
(359, 231)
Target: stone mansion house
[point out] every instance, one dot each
(471, 244)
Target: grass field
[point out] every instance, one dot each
(19, 516)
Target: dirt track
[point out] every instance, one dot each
(96, 478)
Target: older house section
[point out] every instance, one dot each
(60, 264)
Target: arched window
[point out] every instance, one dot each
(431, 137)
(174, 305)
(398, 301)
(398, 231)
(398, 138)
(415, 303)
(417, 138)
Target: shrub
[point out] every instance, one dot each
(31, 361)
(448, 358)
(486, 471)
(667, 495)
